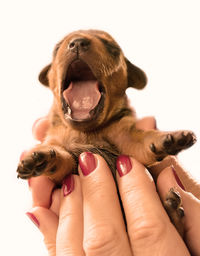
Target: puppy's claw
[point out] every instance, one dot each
(181, 212)
(153, 147)
(38, 156)
(172, 203)
(169, 140)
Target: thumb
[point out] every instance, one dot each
(190, 184)
(47, 222)
(40, 128)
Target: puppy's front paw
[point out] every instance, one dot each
(36, 163)
(173, 206)
(172, 143)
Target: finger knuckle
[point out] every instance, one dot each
(100, 239)
(51, 247)
(147, 233)
(65, 216)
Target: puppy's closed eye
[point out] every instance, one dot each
(112, 48)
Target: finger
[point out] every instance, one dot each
(146, 123)
(55, 201)
(40, 128)
(186, 178)
(47, 222)
(41, 189)
(168, 179)
(104, 229)
(149, 228)
(70, 229)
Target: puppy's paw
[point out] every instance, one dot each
(36, 163)
(172, 143)
(173, 206)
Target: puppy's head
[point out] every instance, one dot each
(88, 76)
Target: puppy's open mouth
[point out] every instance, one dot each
(82, 93)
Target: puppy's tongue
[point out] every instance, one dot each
(82, 97)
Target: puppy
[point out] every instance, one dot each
(88, 76)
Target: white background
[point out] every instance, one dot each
(161, 37)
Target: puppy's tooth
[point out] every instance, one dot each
(69, 111)
(66, 116)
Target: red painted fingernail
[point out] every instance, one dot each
(123, 165)
(87, 163)
(178, 181)
(68, 185)
(33, 219)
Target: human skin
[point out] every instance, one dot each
(59, 212)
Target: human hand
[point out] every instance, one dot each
(49, 224)
(45, 198)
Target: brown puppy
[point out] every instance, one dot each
(88, 77)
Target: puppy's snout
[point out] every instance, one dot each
(79, 44)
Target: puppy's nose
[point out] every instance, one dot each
(79, 44)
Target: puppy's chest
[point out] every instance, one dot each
(89, 141)
(77, 142)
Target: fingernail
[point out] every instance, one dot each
(68, 185)
(178, 181)
(87, 163)
(33, 219)
(123, 165)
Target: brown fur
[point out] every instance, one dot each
(111, 129)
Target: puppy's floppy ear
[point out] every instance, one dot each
(43, 78)
(136, 77)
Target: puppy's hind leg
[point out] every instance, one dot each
(173, 206)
